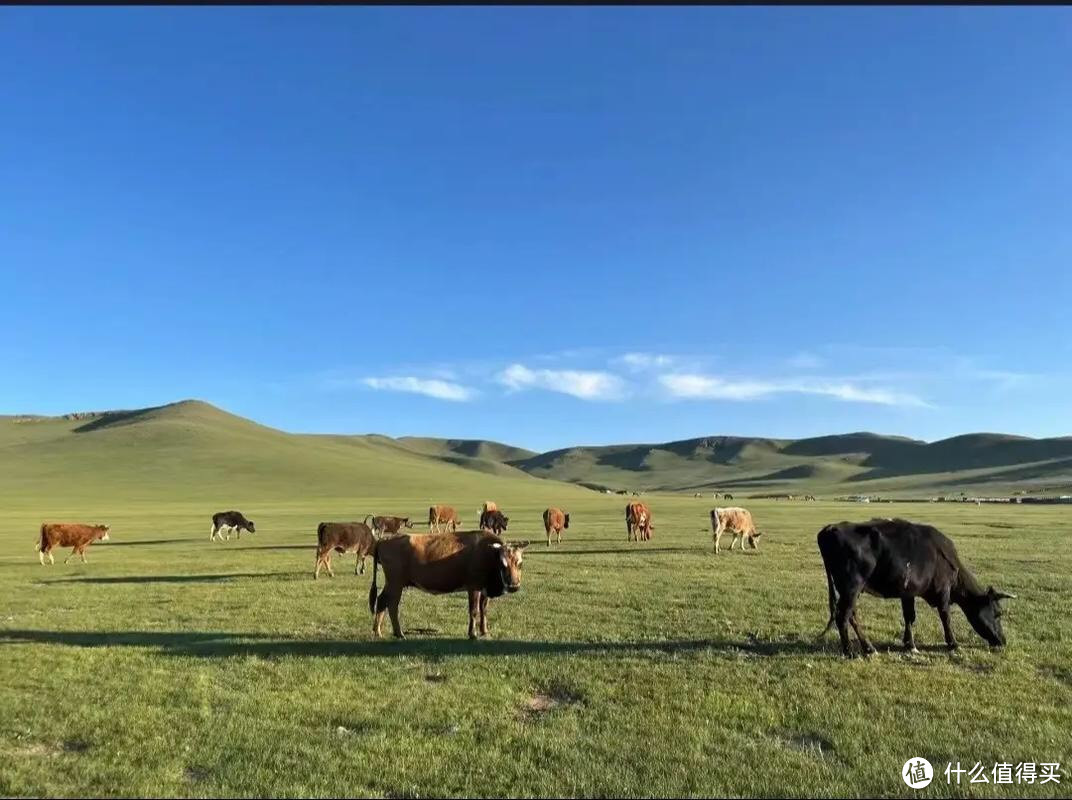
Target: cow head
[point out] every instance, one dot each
(753, 539)
(250, 526)
(984, 613)
(565, 524)
(509, 563)
(103, 532)
(504, 519)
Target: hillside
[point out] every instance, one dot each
(849, 463)
(192, 450)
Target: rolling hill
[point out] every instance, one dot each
(193, 450)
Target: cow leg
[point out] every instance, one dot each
(393, 601)
(947, 624)
(845, 610)
(483, 614)
(73, 551)
(327, 563)
(212, 534)
(41, 557)
(560, 536)
(474, 609)
(865, 645)
(359, 565)
(718, 537)
(908, 608)
(51, 558)
(316, 570)
(82, 553)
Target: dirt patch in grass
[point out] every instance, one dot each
(195, 774)
(548, 699)
(805, 742)
(38, 750)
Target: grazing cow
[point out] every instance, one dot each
(342, 537)
(384, 525)
(476, 561)
(232, 521)
(68, 534)
(494, 521)
(638, 523)
(443, 515)
(737, 521)
(897, 558)
(727, 496)
(554, 521)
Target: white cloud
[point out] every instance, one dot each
(706, 387)
(637, 362)
(431, 387)
(587, 385)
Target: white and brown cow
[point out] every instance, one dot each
(737, 521)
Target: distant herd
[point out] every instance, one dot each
(890, 558)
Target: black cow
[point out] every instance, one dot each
(232, 521)
(897, 558)
(494, 521)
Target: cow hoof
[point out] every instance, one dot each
(912, 651)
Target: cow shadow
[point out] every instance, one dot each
(637, 548)
(228, 645)
(143, 542)
(121, 579)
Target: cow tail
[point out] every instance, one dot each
(372, 591)
(39, 545)
(320, 533)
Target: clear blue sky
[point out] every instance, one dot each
(547, 226)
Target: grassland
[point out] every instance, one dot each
(171, 666)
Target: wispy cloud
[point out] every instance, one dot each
(639, 362)
(585, 384)
(430, 387)
(707, 387)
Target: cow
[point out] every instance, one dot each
(494, 521)
(384, 525)
(478, 562)
(726, 496)
(443, 515)
(68, 534)
(232, 521)
(554, 521)
(489, 505)
(638, 523)
(342, 537)
(897, 558)
(737, 521)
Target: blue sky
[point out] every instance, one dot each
(547, 226)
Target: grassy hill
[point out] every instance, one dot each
(192, 450)
(851, 463)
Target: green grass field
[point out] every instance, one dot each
(169, 665)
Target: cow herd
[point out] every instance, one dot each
(890, 558)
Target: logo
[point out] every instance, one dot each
(917, 773)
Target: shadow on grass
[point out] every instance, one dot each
(180, 578)
(225, 645)
(144, 542)
(310, 547)
(535, 550)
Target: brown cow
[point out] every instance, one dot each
(553, 522)
(476, 561)
(737, 521)
(638, 523)
(383, 525)
(444, 515)
(68, 534)
(343, 537)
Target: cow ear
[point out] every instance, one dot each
(520, 545)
